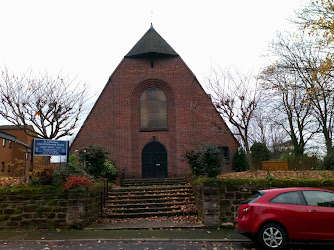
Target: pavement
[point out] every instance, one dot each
(223, 235)
(172, 222)
(153, 228)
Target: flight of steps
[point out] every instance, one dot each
(153, 182)
(150, 198)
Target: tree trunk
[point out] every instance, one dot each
(328, 140)
(248, 155)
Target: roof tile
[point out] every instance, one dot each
(151, 45)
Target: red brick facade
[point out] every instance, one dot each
(14, 151)
(114, 121)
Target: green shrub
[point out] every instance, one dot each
(239, 161)
(43, 175)
(259, 151)
(109, 171)
(36, 181)
(71, 169)
(72, 159)
(212, 159)
(46, 175)
(94, 159)
(206, 161)
(328, 163)
(194, 161)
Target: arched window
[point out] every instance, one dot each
(153, 110)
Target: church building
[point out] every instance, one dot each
(151, 112)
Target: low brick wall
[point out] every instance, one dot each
(217, 200)
(47, 208)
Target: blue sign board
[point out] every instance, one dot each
(44, 147)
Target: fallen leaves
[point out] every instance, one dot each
(11, 181)
(193, 219)
(280, 174)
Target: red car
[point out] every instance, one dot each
(275, 216)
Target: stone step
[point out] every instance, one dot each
(152, 182)
(156, 179)
(143, 215)
(150, 197)
(151, 189)
(149, 184)
(141, 210)
(150, 201)
(148, 193)
(143, 196)
(145, 205)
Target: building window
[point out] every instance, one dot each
(2, 166)
(153, 110)
(4, 142)
(10, 144)
(225, 153)
(8, 167)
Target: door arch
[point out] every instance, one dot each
(154, 161)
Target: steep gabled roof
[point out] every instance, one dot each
(151, 45)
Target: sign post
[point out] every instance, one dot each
(47, 147)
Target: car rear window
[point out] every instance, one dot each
(291, 198)
(256, 195)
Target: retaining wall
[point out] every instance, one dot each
(47, 208)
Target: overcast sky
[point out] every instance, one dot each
(88, 39)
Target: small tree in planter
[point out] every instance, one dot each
(205, 161)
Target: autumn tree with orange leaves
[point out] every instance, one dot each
(317, 19)
(42, 106)
(310, 56)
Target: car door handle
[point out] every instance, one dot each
(313, 211)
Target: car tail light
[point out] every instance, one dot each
(246, 209)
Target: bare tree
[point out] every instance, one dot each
(42, 106)
(311, 67)
(278, 140)
(261, 126)
(289, 107)
(265, 128)
(236, 96)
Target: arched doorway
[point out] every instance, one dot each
(154, 161)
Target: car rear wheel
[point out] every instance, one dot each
(272, 236)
